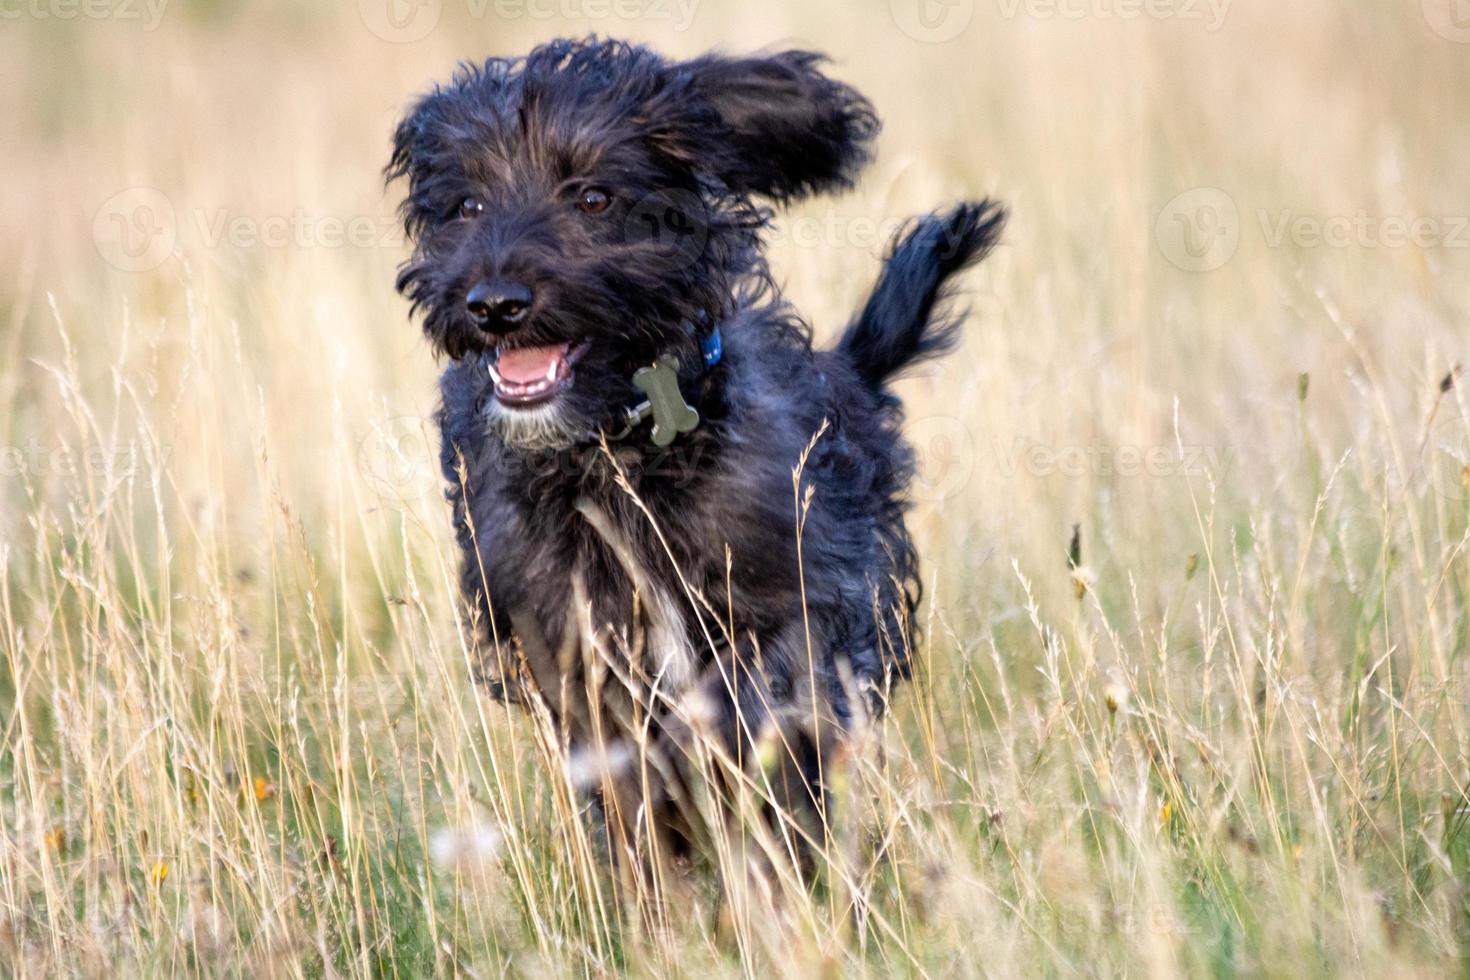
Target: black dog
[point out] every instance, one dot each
(628, 397)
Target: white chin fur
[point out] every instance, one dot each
(535, 427)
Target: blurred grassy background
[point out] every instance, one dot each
(1221, 341)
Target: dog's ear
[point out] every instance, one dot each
(408, 139)
(419, 146)
(774, 125)
(424, 141)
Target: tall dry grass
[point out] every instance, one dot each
(235, 722)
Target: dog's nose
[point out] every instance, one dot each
(498, 305)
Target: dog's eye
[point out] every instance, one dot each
(470, 208)
(593, 201)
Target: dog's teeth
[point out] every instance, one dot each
(494, 375)
(551, 369)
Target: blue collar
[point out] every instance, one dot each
(712, 348)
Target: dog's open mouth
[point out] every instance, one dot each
(532, 375)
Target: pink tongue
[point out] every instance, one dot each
(527, 364)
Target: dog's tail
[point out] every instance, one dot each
(898, 325)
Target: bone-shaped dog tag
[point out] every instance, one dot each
(671, 414)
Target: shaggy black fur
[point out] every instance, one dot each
(623, 192)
